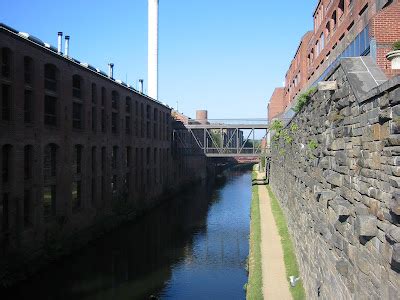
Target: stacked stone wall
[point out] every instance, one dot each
(338, 183)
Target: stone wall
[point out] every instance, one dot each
(338, 183)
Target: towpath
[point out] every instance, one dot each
(275, 284)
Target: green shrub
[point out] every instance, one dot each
(396, 45)
(303, 99)
(313, 144)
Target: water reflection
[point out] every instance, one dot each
(192, 247)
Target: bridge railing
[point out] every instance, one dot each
(229, 121)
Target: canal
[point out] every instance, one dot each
(193, 247)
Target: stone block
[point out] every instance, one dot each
(366, 226)
(342, 266)
(327, 86)
(333, 178)
(395, 263)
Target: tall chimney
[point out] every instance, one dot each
(66, 45)
(59, 48)
(153, 49)
(111, 70)
(141, 86)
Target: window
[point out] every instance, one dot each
(114, 99)
(147, 155)
(341, 8)
(363, 9)
(103, 159)
(50, 77)
(77, 109)
(103, 120)
(127, 125)
(322, 42)
(76, 196)
(6, 102)
(155, 156)
(50, 158)
(103, 96)
(27, 209)
(5, 213)
(77, 166)
(334, 20)
(49, 201)
(94, 159)
(28, 106)
(114, 158)
(128, 156)
(77, 86)
(155, 114)
(148, 112)
(114, 122)
(114, 184)
(94, 118)
(28, 161)
(128, 105)
(28, 69)
(94, 93)
(6, 162)
(50, 110)
(6, 62)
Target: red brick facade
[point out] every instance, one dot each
(276, 104)
(343, 28)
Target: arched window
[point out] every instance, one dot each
(50, 160)
(77, 105)
(28, 161)
(114, 99)
(6, 56)
(77, 86)
(28, 69)
(50, 77)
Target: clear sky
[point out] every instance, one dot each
(226, 56)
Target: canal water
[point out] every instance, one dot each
(193, 247)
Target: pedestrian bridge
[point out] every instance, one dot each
(244, 138)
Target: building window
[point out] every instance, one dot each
(148, 109)
(147, 155)
(128, 105)
(334, 20)
(50, 77)
(103, 159)
(94, 160)
(28, 106)
(77, 86)
(50, 160)
(28, 69)
(27, 209)
(28, 161)
(50, 110)
(77, 111)
(128, 125)
(77, 166)
(103, 96)
(5, 213)
(5, 62)
(6, 102)
(76, 196)
(114, 99)
(114, 184)
(94, 93)
(128, 157)
(94, 118)
(341, 8)
(103, 120)
(114, 157)
(6, 162)
(49, 201)
(114, 122)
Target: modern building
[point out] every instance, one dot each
(342, 28)
(76, 144)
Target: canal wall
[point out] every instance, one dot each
(335, 169)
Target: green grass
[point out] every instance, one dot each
(289, 256)
(254, 285)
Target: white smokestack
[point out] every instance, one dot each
(153, 49)
(66, 45)
(59, 48)
(141, 86)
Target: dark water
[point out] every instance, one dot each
(193, 247)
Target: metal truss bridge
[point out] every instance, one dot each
(236, 138)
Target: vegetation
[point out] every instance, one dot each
(312, 145)
(303, 99)
(396, 45)
(291, 266)
(254, 285)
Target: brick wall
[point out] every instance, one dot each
(276, 103)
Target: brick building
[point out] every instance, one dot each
(76, 144)
(342, 28)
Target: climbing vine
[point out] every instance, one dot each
(303, 99)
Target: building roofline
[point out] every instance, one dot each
(315, 10)
(87, 67)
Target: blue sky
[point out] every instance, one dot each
(226, 56)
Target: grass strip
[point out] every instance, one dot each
(289, 256)
(254, 285)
